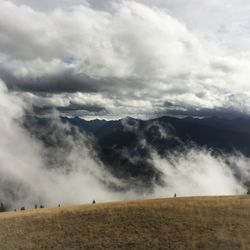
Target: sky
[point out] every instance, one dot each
(111, 59)
(139, 58)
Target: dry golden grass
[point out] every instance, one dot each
(181, 223)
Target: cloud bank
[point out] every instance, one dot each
(67, 170)
(132, 58)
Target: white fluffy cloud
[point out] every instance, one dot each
(133, 58)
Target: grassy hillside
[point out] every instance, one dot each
(181, 223)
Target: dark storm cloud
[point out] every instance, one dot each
(67, 81)
(60, 82)
(73, 109)
(78, 107)
(168, 104)
(229, 113)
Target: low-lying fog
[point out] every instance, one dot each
(78, 176)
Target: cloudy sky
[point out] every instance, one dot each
(117, 58)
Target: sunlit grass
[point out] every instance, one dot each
(181, 223)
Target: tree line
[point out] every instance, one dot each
(3, 208)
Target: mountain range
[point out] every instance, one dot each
(124, 146)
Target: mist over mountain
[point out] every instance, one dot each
(164, 134)
(71, 160)
(125, 146)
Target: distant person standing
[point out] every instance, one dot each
(174, 195)
(93, 202)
